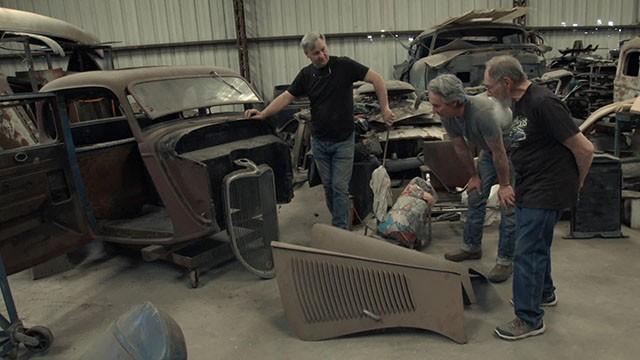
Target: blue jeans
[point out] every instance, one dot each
(334, 161)
(532, 263)
(473, 228)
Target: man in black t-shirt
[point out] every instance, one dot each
(328, 82)
(551, 159)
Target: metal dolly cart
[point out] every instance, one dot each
(12, 332)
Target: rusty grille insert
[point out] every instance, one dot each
(252, 216)
(332, 292)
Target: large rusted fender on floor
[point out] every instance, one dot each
(333, 239)
(346, 283)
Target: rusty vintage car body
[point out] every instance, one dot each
(154, 144)
(36, 35)
(627, 81)
(41, 37)
(462, 46)
(42, 28)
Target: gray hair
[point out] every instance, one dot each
(449, 87)
(308, 41)
(503, 66)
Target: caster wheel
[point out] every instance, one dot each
(44, 336)
(194, 278)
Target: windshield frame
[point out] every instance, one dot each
(222, 78)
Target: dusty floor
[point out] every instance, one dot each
(234, 315)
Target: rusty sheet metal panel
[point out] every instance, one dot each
(402, 101)
(16, 126)
(627, 82)
(41, 77)
(495, 15)
(347, 283)
(114, 178)
(427, 133)
(445, 164)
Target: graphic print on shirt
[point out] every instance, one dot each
(517, 132)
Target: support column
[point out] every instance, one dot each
(241, 39)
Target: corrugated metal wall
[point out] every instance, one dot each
(585, 13)
(277, 63)
(141, 22)
(582, 12)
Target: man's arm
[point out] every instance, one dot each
(506, 194)
(582, 150)
(464, 154)
(381, 92)
(560, 125)
(276, 105)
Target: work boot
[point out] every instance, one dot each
(517, 329)
(500, 273)
(461, 255)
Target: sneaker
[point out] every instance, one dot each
(517, 329)
(500, 273)
(461, 255)
(551, 300)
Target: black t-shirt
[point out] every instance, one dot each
(330, 90)
(546, 170)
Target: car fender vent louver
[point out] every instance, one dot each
(346, 283)
(332, 292)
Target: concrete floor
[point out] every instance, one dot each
(234, 315)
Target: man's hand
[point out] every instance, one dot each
(253, 114)
(388, 116)
(507, 196)
(474, 183)
(381, 93)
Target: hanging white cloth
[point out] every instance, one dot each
(381, 186)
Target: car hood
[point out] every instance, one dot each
(170, 132)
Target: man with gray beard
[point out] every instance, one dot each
(551, 159)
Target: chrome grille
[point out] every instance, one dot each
(252, 219)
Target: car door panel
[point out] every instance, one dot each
(42, 209)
